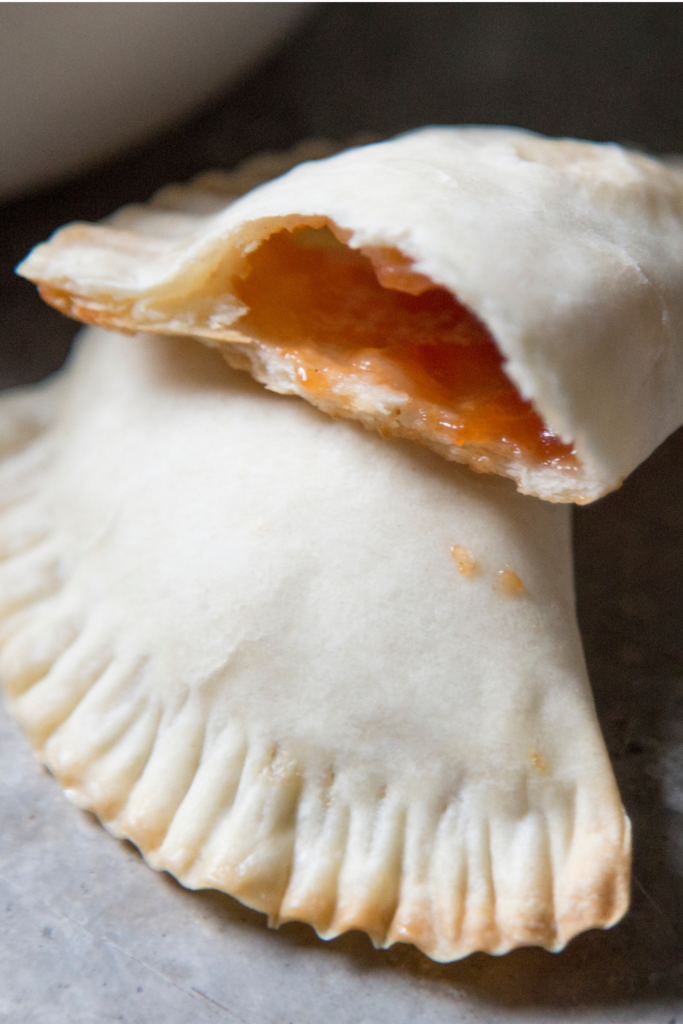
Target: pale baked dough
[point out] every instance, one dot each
(337, 678)
(570, 253)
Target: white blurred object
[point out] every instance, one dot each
(79, 81)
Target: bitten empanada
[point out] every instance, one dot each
(511, 301)
(337, 678)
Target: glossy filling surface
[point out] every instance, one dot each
(343, 315)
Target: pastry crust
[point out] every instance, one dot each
(241, 633)
(568, 252)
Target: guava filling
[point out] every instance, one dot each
(345, 317)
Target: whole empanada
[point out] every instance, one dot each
(511, 301)
(337, 678)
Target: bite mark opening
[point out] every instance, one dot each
(345, 319)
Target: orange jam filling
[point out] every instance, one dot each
(344, 315)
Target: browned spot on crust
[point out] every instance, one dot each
(370, 915)
(604, 900)
(509, 584)
(79, 309)
(314, 908)
(416, 927)
(464, 560)
(539, 762)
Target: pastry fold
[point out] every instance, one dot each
(336, 678)
(508, 300)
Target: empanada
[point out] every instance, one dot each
(511, 301)
(337, 678)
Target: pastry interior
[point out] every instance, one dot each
(356, 331)
(344, 318)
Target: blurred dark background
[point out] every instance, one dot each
(596, 71)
